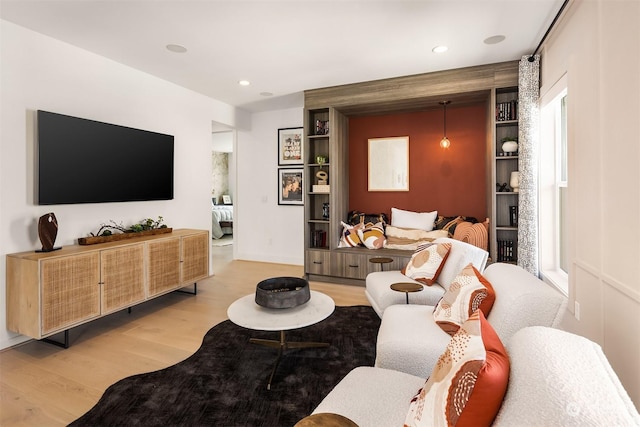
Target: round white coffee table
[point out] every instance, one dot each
(246, 313)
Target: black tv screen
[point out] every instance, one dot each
(85, 161)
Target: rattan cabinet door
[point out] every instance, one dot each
(70, 290)
(163, 266)
(122, 277)
(195, 258)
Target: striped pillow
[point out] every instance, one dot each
(474, 234)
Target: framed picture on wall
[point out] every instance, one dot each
(290, 186)
(290, 147)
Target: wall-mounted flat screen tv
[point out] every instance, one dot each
(85, 161)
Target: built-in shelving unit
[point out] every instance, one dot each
(332, 106)
(504, 224)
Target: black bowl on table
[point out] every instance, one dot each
(282, 292)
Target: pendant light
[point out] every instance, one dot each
(444, 142)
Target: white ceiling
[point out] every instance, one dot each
(285, 47)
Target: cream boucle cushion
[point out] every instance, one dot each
(408, 219)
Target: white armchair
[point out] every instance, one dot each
(381, 296)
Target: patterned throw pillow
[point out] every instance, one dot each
(372, 235)
(448, 223)
(468, 293)
(468, 383)
(409, 239)
(427, 262)
(349, 237)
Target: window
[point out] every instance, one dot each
(554, 187)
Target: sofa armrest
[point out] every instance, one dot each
(372, 397)
(561, 379)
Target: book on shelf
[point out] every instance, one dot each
(507, 110)
(318, 239)
(505, 251)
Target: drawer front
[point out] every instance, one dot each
(352, 266)
(318, 262)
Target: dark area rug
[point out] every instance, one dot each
(224, 382)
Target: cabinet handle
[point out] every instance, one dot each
(354, 266)
(317, 262)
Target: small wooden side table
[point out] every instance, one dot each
(381, 260)
(407, 287)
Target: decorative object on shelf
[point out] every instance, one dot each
(510, 146)
(515, 181)
(322, 177)
(282, 292)
(321, 160)
(444, 142)
(290, 148)
(290, 187)
(226, 199)
(47, 232)
(501, 188)
(105, 233)
(513, 216)
(388, 165)
(325, 211)
(322, 127)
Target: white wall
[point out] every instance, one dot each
(38, 72)
(597, 45)
(264, 230)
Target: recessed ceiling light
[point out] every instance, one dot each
(440, 49)
(244, 82)
(266, 94)
(494, 39)
(176, 48)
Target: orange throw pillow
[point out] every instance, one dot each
(468, 384)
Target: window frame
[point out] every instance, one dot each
(551, 184)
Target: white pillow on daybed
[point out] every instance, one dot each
(409, 219)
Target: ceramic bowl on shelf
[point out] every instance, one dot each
(510, 147)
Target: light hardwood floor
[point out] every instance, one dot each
(44, 385)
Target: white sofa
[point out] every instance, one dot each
(409, 340)
(556, 379)
(381, 296)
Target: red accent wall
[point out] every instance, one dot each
(451, 181)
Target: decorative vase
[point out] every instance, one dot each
(515, 181)
(510, 147)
